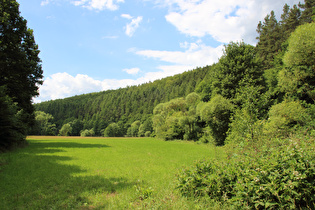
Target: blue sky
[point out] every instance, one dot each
(94, 45)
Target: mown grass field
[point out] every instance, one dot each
(98, 173)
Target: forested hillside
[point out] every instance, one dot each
(237, 98)
(123, 106)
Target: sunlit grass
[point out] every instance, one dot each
(97, 173)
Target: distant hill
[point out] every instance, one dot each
(124, 105)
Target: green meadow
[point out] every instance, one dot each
(98, 173)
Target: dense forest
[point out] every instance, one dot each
(123, 106)
(212, 104)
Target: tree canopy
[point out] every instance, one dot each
(20, 65)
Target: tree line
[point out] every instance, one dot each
(118, 109)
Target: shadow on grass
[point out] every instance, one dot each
(43, 146)
(35, 178)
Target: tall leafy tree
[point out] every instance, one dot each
(297, 79)
(20, 68)
(237, 68)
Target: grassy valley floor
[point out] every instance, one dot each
(98, 173)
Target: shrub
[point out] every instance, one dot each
(216, 113)
(281, 175)
(87, 132)
(147, 134)
(245, 126)
(112, 130)
(65, 129)
(286, 117)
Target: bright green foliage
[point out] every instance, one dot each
(43, 125)
(237, 68)
(216, 113)
(166, 119)
(271, 80)
(112, 130)
(246, 122)
(87, 132)
(285, 118)
(244, 127)
(297, 79)
(177, 119)
(301, 47)
(278, 176)
(145, 128)
(65, 130)
(133, 130)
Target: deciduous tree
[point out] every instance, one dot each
(20, 68)
(20, 65)
(297, 78)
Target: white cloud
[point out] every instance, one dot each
(98, 4)
(132, 70)
(225, 21)
(196, 54)
(131, 27)
(110, 37)
(45, 2)
(127, 16)
(62, 85)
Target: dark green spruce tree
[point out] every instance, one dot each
(269, 39)
(20, 66)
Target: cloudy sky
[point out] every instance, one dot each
(94, 45)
